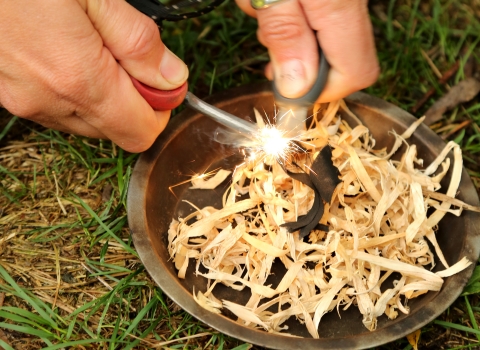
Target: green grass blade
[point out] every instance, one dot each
(457, 327)
(114, 335)
(26, 297)
(102, 224)
(128, 174)
(243, 347)
(8, 127)
(12, 176)
(473, 285)
(133, 344)
(472, 316)
(120, 171)
(70, 329)
(106, 306)
(113, 267)
(30, 318)
(26, 330)
(104, 176)
(75, 343)
(5, 346)
(139, 317)
(24, 313)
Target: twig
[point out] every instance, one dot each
(10, 236)
(57, 270)
(444, 78)
(24, 145)
(457, 129)
(162, 344)
(431, 64)
(57, 194)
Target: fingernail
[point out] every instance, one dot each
(173, 69)
(291, 81)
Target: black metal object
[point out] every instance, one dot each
(159, 12)
(187, 146)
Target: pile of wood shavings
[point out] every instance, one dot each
(377, 221)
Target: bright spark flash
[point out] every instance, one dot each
(268, 142)
(274, 143)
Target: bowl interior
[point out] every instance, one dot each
(187, 148)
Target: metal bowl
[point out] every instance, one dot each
(187, 147)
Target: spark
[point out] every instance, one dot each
(205, 174)
(274, 143)
(311, 170)
(270, 143)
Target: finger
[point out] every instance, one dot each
(246, 7)
(134, 40)
(122, 114)
(269, 71)
(292, 46)
(110, 103)
(72, 125)
(73, 74)
(345, 34)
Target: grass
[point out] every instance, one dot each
(69, 274)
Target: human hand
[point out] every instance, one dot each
(67, 66)
(344, 32)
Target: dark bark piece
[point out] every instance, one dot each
(464, 91)
(322, 227)
(306, 219)
(324, 175)
(305, 231)
(302, 177)
(323, 179)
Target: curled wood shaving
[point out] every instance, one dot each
(203, 182)
(377, 220)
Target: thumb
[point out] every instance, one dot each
(292, 46)
(134, 41)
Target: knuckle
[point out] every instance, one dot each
(142, 38)
(83, 81)
(70, 87)
(282, 29)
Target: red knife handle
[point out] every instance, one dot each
(161, 100)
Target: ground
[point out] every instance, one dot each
(69, 274)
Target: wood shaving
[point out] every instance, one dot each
(378, 228)
(210, 183)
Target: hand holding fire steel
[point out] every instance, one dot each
(343, 30)
(69, 67)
